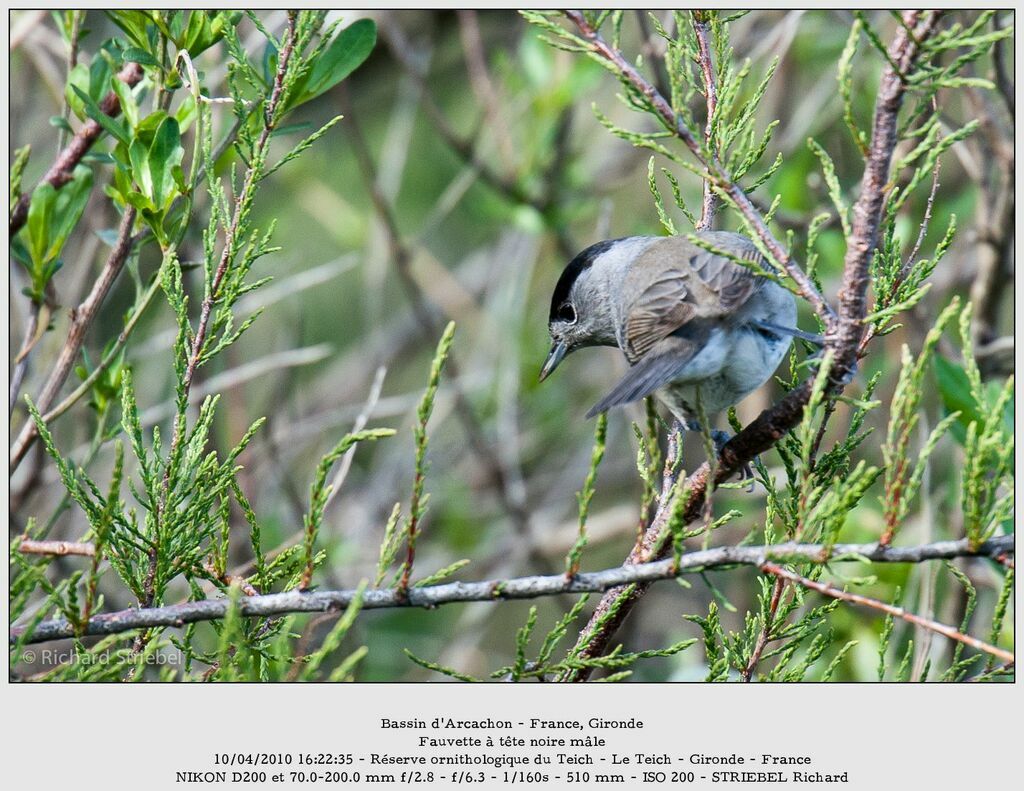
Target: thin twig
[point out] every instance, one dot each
(519, 588)
(72, 61)
(28, 546)
(855, 598)
(62, 170)
(707, 73)
(33, 332)
(923, 229)
(766, 630)
(1003, 81)
(482, 84)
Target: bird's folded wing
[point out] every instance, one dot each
(665, 363)
(675, 283)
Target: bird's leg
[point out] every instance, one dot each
(719, 438)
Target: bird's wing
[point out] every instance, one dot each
(675, 282)
(664, 363)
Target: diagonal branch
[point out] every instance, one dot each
(61, 170)
(845, 330)
(519, 588)
(866, 601)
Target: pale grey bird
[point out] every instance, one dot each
(683, 316)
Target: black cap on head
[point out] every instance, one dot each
(577, 266)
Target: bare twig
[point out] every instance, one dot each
(482, 84)
(81, 319)
(925, 220)
(61, 172)
(1003, 81)
(766, 630)
(34, 329)
(29, 546)
(707, 73)
(855, 598)
(519, 588)
(994, 234)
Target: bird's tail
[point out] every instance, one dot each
(818, 340)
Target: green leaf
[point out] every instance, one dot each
(165, 153)
(140, 56)
(128, 105)
(349, 49)
(205, 28)
(138, 154)
(70, 204)
(17, 171)
(112, 126)
(60, 122)
(955, 389)
(139, 201)
(40, 219)
(78, 79)
(186, 113)
(136, 24)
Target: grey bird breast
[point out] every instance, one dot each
(687, 317)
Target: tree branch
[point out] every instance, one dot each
(60, 173)
(519, 588)
(28, 546)
(844, 332)
(707, 73)
(855, 598)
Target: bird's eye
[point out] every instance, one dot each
(566, 313)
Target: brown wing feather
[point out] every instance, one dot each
(676, 282)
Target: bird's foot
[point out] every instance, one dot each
(746, 472)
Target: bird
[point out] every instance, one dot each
(687, 319)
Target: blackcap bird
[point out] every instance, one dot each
(684, 317)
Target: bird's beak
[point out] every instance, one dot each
(558, 350)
